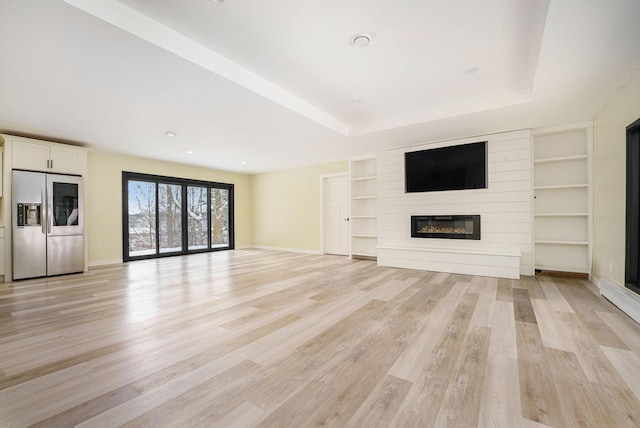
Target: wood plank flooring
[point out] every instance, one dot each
(273, 339)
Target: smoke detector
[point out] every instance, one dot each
(360, 40)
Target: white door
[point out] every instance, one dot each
(335, 214)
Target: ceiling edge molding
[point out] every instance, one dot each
(522, 96)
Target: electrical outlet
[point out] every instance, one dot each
(610, 266)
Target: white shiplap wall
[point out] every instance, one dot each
(505, 206)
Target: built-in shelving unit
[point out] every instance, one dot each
(363, 224)
(563, 198)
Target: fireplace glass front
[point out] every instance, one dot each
(446, 226)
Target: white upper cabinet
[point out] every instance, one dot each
(32, 156)
(37, 155)
(66, 159)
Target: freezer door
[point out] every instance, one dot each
(65, 205)
(29, 253)
(66, 254)
(29, 241)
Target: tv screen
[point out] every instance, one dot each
(446, 168)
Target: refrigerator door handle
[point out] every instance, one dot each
(49, 203)
(43, 220)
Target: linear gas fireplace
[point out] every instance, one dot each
(446, 226)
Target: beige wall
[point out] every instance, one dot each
(104, 197)
(286, 207)
(282, 209)
(609, 182)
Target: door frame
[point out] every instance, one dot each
(632, 229)
(184, 183)
(324, 177)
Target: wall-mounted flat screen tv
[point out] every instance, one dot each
(446, 168)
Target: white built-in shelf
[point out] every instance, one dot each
(552, 242)
(363, 227)
(561, 159)
(563, 197)
(562, 215)
(562, 186)
(560, 269)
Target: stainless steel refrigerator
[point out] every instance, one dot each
(48, 229)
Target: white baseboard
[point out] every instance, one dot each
(626, 300)
(99, 263)
(289, 250)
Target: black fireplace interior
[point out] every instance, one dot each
(446, 226)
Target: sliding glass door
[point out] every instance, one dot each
(165, 216)
(219, 215)
(170, 217)
(197, 217)
(141, 218)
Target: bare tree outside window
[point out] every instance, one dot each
(197, 217)
(142, 218)
(170, 212)
(219, 217)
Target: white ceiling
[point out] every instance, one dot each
(273, 84)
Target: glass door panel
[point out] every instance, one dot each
(142, 218)
(170, 217)
(219, 218)
(197, 230)
(64, 205)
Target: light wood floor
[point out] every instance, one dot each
(264, 338)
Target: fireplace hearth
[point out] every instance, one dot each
(446, 226)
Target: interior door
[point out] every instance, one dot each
(335, 214)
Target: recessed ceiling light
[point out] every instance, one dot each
(243, 163)
(217, 1)
(472, 70)
(360, 40)
(189, 152)
(170, 133)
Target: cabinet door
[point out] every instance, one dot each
(31, 156)
(66, 159)
(1, 171)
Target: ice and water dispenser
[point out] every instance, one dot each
(29, 215)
